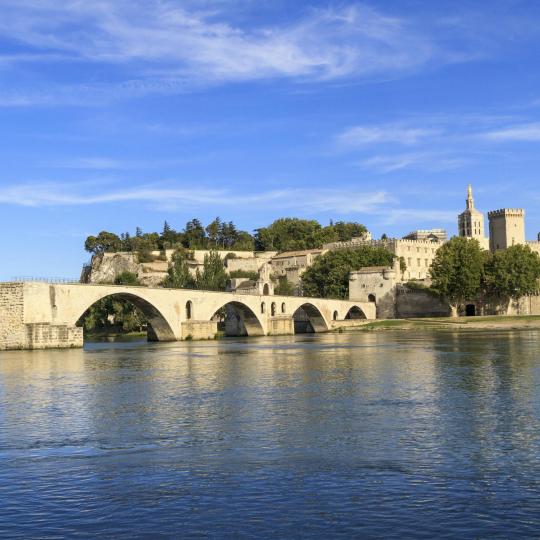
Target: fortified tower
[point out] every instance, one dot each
(471, 221)
(506, 228)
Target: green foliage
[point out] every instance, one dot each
(513, 273)
(178, 274)
(418, 286)
(103, 242)
(284, 287)
(253, 276)
(289, 234)
(328, 277)
(213, 276)
(126, 278)
(457, 270)
(113, 313)
(282, 235)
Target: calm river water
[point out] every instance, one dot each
(368, 435)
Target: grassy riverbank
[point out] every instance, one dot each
(454, 323)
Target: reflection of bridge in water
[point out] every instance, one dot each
(41, 315)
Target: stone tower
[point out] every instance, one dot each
(506, 228)
(471, 221)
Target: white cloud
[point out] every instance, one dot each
(175, 46)
(54, 194)
(428, 161)
(518, 133)
(359, 136)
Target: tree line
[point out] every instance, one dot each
(462, 271)
(284, 234)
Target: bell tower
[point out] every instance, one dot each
(471, 221)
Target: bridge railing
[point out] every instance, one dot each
(54, 279)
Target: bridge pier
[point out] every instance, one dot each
(199, 330)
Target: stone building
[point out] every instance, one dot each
(292, 264)
(506, 228)
(432, 235)
(471, 222)
(417, 254)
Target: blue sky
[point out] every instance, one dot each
(121, 113)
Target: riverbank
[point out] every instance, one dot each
(453, 323)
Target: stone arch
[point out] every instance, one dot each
(158, 329)
(189, 310)
(308, 318)
(355, 313)
(240, 320)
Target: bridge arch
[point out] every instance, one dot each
(308, 318)
(159, 329)
(240, 320)
(355, 312)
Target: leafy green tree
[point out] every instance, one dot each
(251, 275)
(243, 242)
(178, 275)
(284, 287)
(194, 235)
(104, 242)
(126, 278)
(328, 276)
(288, 234)
(213, 231)
(213, 276)
(513, 273)
(457, 271)
(347, 230)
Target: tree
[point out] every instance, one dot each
(347, 230)
(126, 278)
(194, 235)
(213, 276)
(328, 276)
(457, 271)
(179, 275)
(513, 273)
(284, 287)
(104, 242)
(213, 231)
(287, 234)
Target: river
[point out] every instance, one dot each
(365, 435)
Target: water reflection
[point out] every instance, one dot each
(372, 434)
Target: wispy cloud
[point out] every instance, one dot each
(175, 46)
(55, 194)
(518, 133)
(341, 201)
(428, 161)
(358, 136)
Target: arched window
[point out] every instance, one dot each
(189, 309)
(283, 308)
(273, 309)
(372, 298)
(266, 289)
(335, 317)
(263, 307)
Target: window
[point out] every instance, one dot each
(189, 310)
(263, 307)
(283, 308)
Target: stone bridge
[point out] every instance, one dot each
(42, 315)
